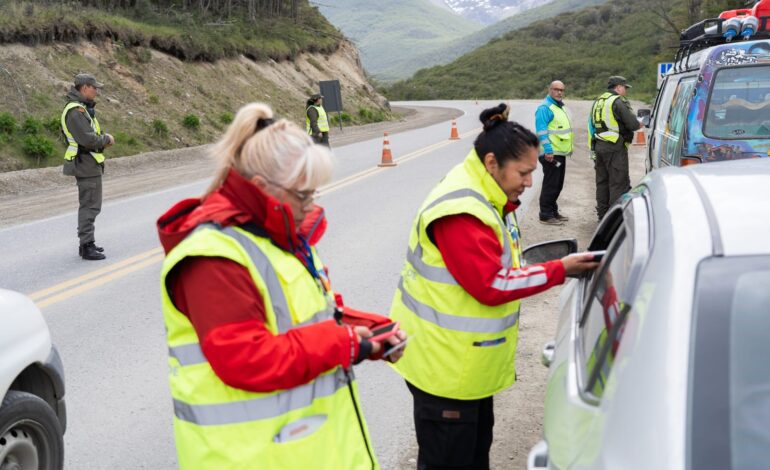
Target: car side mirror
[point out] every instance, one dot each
(687, 160)
(548, 251)
(644, 116)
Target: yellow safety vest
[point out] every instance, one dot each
(462, 349)
(72, 145)
(315, 425)
(605, 125)
(559, 132)
(323, 121)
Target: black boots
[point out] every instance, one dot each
(90, 251)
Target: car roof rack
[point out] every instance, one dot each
(708, 33)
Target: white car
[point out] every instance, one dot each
(32, 412)
(662, 355)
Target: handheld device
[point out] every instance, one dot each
(384, 332)
(598, 255)
(395, 348)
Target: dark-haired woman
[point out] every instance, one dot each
(459, 294)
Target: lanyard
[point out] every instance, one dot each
(319, 276)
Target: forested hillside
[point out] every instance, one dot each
(622, 37)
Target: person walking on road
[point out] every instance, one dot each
(316, 121)
(554, 130)
(84, 159)
(611, 130)
(260, 347)
(459, 294)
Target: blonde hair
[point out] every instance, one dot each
(280, 152)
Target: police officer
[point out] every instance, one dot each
(554, 131)
(84, 159)
(611, 130)
(316, 121)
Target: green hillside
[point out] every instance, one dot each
(624, 37)
(391, 34)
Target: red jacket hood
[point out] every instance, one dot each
(238, 202)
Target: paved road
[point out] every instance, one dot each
(105, 317)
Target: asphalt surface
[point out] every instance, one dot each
(108, 326)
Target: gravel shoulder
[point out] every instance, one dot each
(29, 195)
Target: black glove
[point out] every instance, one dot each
(364, 350)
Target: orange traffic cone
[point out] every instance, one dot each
(387, 157)
(454, 135)
(639, 138)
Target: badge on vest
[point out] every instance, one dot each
(299, 429)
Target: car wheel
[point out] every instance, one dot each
(30, 434)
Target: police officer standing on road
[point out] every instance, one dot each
(84, 159)
(611, 130)
(316, 121)
(554, 131)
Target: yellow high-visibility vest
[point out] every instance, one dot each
(462, 349)
(605, 125)
(72, 145)
(559, 132)
(323, 121)
(315, 425)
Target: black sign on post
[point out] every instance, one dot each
(330, 89)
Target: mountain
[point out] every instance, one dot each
(391, 33)
(492, 11)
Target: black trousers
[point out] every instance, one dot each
(323, 140)
(452, 434)
(553, 183)
(612, 179)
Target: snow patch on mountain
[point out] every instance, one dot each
(491, 11)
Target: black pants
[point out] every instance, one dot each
(323, 140)
(90, 199)
(452, 434)
(612, 178)
(553, 183)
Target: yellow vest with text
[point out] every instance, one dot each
(460, 348)
(72, 145)
(605, 125)
(216, 426)
(559, 132)
(323, 121)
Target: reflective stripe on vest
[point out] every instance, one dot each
(466, 349)
(323, 121)
(72, 145)
(559, 132)
(603, 119)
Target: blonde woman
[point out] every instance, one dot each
(260, 347)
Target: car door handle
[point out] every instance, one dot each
(538, 457)
(548, 351)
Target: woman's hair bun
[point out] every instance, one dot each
(492, 117)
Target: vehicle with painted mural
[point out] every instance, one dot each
(714, 104)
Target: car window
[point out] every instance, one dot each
(672, 138)
(729, 408)
(601, 324)
(739, 107)
(662, 109)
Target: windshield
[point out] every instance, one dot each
(730, 388)
(740, 104)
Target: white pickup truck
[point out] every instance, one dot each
(32, 412)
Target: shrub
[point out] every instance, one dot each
(31, 126)
(226, 118)
(7, 123)
(53, 125)
(159, 128)
(335, 119)
(38, 147)
(153, 99)
(191, 121)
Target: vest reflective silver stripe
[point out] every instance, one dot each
(613, 129)
(558, 132)
(188, 354)
(454, 322)
(514, 283)
(263, 407)
(431, 272)
(542, 133)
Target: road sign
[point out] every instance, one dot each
(663, 68)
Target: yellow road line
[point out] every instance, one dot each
(67, 289)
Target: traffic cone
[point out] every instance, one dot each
(454, 135)
(639, 138)
(387, 157)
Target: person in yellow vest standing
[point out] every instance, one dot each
(554, 130)
(260, 348)
(611, 128)
(316, 120)
(459, 293)
(84, 158)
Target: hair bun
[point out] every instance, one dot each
(492, 117)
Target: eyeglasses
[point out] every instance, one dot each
(303, 197)
(560, 90)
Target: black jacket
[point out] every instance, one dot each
(79, 126)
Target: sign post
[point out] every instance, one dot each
(663, 68)
(330, 89)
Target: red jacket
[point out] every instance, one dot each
(226, 309)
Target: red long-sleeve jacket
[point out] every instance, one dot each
(226, 309)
